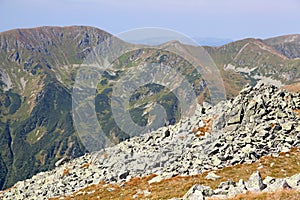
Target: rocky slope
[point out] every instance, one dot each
(251, 60)
(261, 120)
(37, 71)
(255, 183)
(35, 74)
(288, 45)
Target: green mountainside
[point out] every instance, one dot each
(288, 45)
(35, 101)
(38, 68)
(250, 60)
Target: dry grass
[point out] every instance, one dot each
(297, 112)
(277, 195)
(6, 190)
(272, 125)
(85, 165)
(200, 131)
(66, 171)
(287, 164)
(295, 87)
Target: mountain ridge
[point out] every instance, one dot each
(38, 67)
(261, 123)
(287, 44)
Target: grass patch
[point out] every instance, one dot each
(295, 87)
(297, 112)
(36, 134)
(278, 195)
(287, 164)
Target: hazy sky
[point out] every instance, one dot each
(232, 19)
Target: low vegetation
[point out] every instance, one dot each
(286, 164)
(278, 195)
(293, 87)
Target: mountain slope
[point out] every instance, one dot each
(288, 45)
(251, 60)
(233, 138)
(35, 103)
(38, 69)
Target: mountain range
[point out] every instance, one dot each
(242, 148)
(38, 69)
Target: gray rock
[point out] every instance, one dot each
(246, 90)
(294, 181)
(123, 175)
(198, 192)
(219, 123)
(236, 116)
(278, 184)
(62, 161)
(216, 161)
(241, 184)
(156, 179)
(255, 183)
(233, 191)
(212, 176)
(288, 126)
(239, 189)
(269, 180)
(195, 193)
(226, 185)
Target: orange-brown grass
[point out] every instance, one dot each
(297, 112)
(282, 194)
(272, 125)
(66, 171)
(85, 165)
(287, 164)
(6, 190)
(295, 87)
(200, 131)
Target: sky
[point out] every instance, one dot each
(230, 19)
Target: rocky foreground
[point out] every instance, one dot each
(230, 189)
(261, 120)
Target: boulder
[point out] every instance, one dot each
(278, 184)
(255, 183)
(212, 176)
(198, 192)
(294, 181)
(194, 193)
